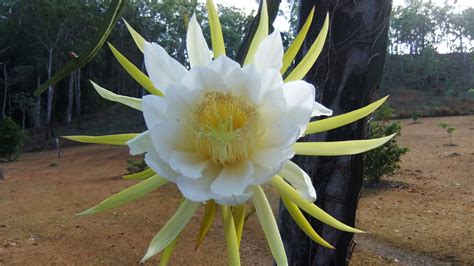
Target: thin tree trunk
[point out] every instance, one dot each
(37, 108)
(345, 76)
(78, 95)
(49, 104)
(70, 98)
(5, 93)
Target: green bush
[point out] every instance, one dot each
(11, 138)
(383, 160)
(135, 165)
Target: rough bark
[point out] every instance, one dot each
(78, 95)
(70, 98)
(49, 103)
(5, 92)
(346, 74)
(37, 107)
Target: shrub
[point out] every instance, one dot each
(136, 165)
(383, 160)
(449, 130)
(11, 138)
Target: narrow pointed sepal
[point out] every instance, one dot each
(344, 119)
(134, 103)
(230, 236)
(137, 38)
(207, 220)
(118, 139)
(291, 194)
(337, 148)
(128, 195)
(140, 175)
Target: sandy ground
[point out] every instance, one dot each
(428, 220)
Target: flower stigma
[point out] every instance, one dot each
(225, 127)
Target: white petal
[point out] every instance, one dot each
(299, 179)
(279, 133)
(235, 199)
(203, 78)
(198, 51)
(245, 82)
(160, 167)
(224, 66)
(299, 97)
(154, 108)
(319, 109)
(167, 137)
(195, 189)
(232, 179)
(188, 164)
(268, 162)
(270, 52)
(161, 68)
(140, 144)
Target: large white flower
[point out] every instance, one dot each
(221, 127)
(221, 130)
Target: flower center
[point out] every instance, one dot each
(225, 127)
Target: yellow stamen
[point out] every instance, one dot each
(225, 127)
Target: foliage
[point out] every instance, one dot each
(135, 165)
(415, 116)
(11, 138)
(449, 129)
(383, 160)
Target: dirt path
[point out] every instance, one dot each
(428, 221)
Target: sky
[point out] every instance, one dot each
(282, 24)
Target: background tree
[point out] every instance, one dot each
(345, 76)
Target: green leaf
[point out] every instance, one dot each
(172, 228)
(292, 51)
(336, 148)
(344, 119)
(270, 228)
(110, 19)
(118, 139)
(140, 175)
(310, 58)
(128, 195)
(136, 73)
(134, 103)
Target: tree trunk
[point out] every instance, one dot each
(70, 98)
(49, 104)
(37, 108)
(5, 93)
(346, 74)
(78, 95)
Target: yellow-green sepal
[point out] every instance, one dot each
(207, 220)
(269, 225)
(140, 175)
(217, 39)
(238, 213)
(137, 38)
(134, 72)
(134, 103)
(172, 228)
(128, 195)
(168, 252)
(336, 148)
(303, 224)
(295, 46)
(310, 58)
(230, 236)
(291, 194)
(260, 34)
(344, 119)
(117, 139)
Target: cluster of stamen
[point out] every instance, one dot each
(225, 127)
